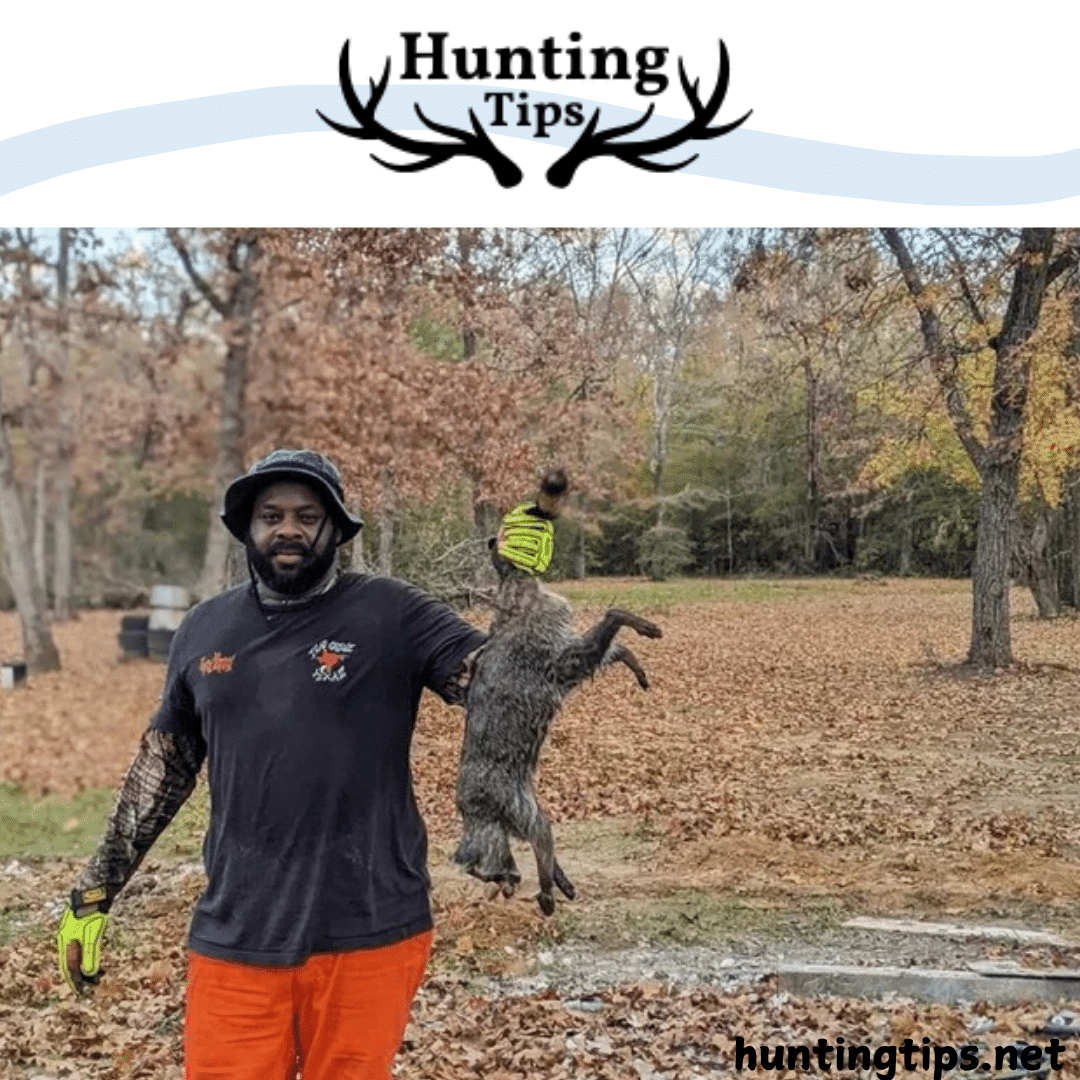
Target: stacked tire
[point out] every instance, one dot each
(168, 605)
(133, 636)
(151, 635)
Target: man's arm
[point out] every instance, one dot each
(456, 687)
(157, 784)
(440, 642)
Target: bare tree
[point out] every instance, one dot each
(673, 286)
(594, 268)
(39, 650)
(810, 293)
(65, 439)
(234, 296)
(997, 454)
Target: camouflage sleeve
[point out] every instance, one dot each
(456, 687)
(157, 783)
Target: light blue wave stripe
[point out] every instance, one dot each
(749, 157)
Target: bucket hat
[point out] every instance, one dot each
(303, 466)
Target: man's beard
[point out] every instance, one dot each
(299, 577)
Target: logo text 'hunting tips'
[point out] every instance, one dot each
(433, 60)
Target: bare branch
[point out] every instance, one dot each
(965, 286)
(942, 361)
(1069, 258)
(197, 279)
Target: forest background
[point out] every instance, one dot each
(726, 401)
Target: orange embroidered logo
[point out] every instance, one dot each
(216, 664)
(330, 657)
(329, 660)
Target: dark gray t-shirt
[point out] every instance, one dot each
(315, 841)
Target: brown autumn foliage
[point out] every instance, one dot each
(340, 367)
(820, 745)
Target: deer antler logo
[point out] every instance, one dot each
(473, 144)
(590, 144)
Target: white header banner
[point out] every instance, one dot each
(844, 113)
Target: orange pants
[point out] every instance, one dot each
(337, 1016)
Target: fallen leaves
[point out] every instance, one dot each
(802, 746)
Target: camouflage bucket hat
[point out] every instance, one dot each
(303, 466)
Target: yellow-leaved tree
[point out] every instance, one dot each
(993, 345)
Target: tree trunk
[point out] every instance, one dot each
(238, 328)
(998, 460)
(62, 546)
(485, 513)
(991, 642)
(468, 343)
(39, 651)
(215, 575)
(730, 552)
(65, 445)
(656, 461)
(813, 468)
(356, 561)
(236, 564)
(907, 534)
(1039, 569)
(230, 460)
(1000, 466)
(1069, 541)
(387, 519)
(579, 555)
(661, 394)
(1068, 533)
(41, 520)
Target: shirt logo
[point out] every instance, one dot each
(329, 657)
(216, 664)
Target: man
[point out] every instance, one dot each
(302, 687)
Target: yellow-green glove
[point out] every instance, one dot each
(78, 946)
(526, 540)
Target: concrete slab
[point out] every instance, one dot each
(916, 926)
(1007, 969)
(926, 984)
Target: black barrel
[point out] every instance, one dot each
(12, 674)
(168, 604)
(133, 636)
(158, 643)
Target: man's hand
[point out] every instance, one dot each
(78, 945)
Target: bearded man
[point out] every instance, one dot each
(301, 688)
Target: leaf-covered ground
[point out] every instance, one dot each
(805, 747)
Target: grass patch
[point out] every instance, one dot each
(693, 917)
(71, 828)
(52, 826)
(644, 595)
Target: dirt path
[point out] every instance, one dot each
(654, 985)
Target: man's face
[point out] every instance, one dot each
(291, 541)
